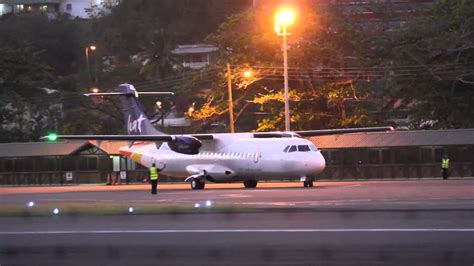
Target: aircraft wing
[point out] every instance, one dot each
(127, 137)
(310, 133)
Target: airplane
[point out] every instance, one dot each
(217, 157)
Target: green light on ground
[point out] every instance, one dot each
(52, 137)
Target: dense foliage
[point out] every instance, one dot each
(343, 72)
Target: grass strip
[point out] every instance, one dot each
(96, 209)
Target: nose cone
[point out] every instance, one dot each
(313, 164)
(319, 163)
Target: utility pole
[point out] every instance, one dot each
(231, 103)
(284, 18)
(285, 77)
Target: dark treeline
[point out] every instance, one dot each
(343, 73)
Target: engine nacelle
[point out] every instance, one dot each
(185, 144)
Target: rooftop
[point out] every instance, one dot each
(31, 149)
(194, 49)
(397, 139)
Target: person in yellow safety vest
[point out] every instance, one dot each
(154, 177)
(445, 166)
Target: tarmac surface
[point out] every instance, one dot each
(419, 222)
(358, 194)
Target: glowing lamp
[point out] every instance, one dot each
(52, 137)
(285, 16)
(247, 74)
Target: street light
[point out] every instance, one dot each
(248, 74)
(283, 18)
(92, 48)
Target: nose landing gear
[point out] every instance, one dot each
(250, 183)
(197, 183)
(307, 181)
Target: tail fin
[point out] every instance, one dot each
(135, 119)
(137, 122)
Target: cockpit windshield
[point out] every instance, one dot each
(300, 148)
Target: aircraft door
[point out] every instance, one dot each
(256, 156)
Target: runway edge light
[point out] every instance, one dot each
(56, 211)
(31, 204)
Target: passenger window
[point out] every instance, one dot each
(292, 149)
(303, 148)
(286, 148)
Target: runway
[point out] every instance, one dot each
(362, 194)
(294, 238)
(423, 222)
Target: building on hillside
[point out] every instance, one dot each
(196, 56)
(75, 8)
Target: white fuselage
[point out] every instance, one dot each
(235, 157)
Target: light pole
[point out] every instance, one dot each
(246, 74)
(283, 18)
(92, 48)
(231, 102)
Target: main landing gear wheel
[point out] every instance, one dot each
(250, 183)
(197, 184)
(308, 183)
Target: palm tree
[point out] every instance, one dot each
(158, 61)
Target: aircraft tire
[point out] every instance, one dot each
(305, 183)
(310, 183)
(197, 184)
(250, 183)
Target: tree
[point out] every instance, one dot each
(23, 77)
(320, 85)
(431, 63)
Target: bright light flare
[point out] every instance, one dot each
(285, 16)
(31, 204)
(95, 90)
(208, 203)
(197, 205)
(248, 74)
(56, 211)
(277, 29)
(93, 47)
(52, 137)
(130, 210)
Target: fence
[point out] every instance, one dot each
(78, 177)
(363, 172)
(378, 171)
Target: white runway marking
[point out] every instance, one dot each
(178, 231)
(236, 196)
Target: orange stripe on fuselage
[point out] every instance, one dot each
(137, 157)
(126, 153)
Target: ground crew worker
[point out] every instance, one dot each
(445, 166)
(154, 177)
